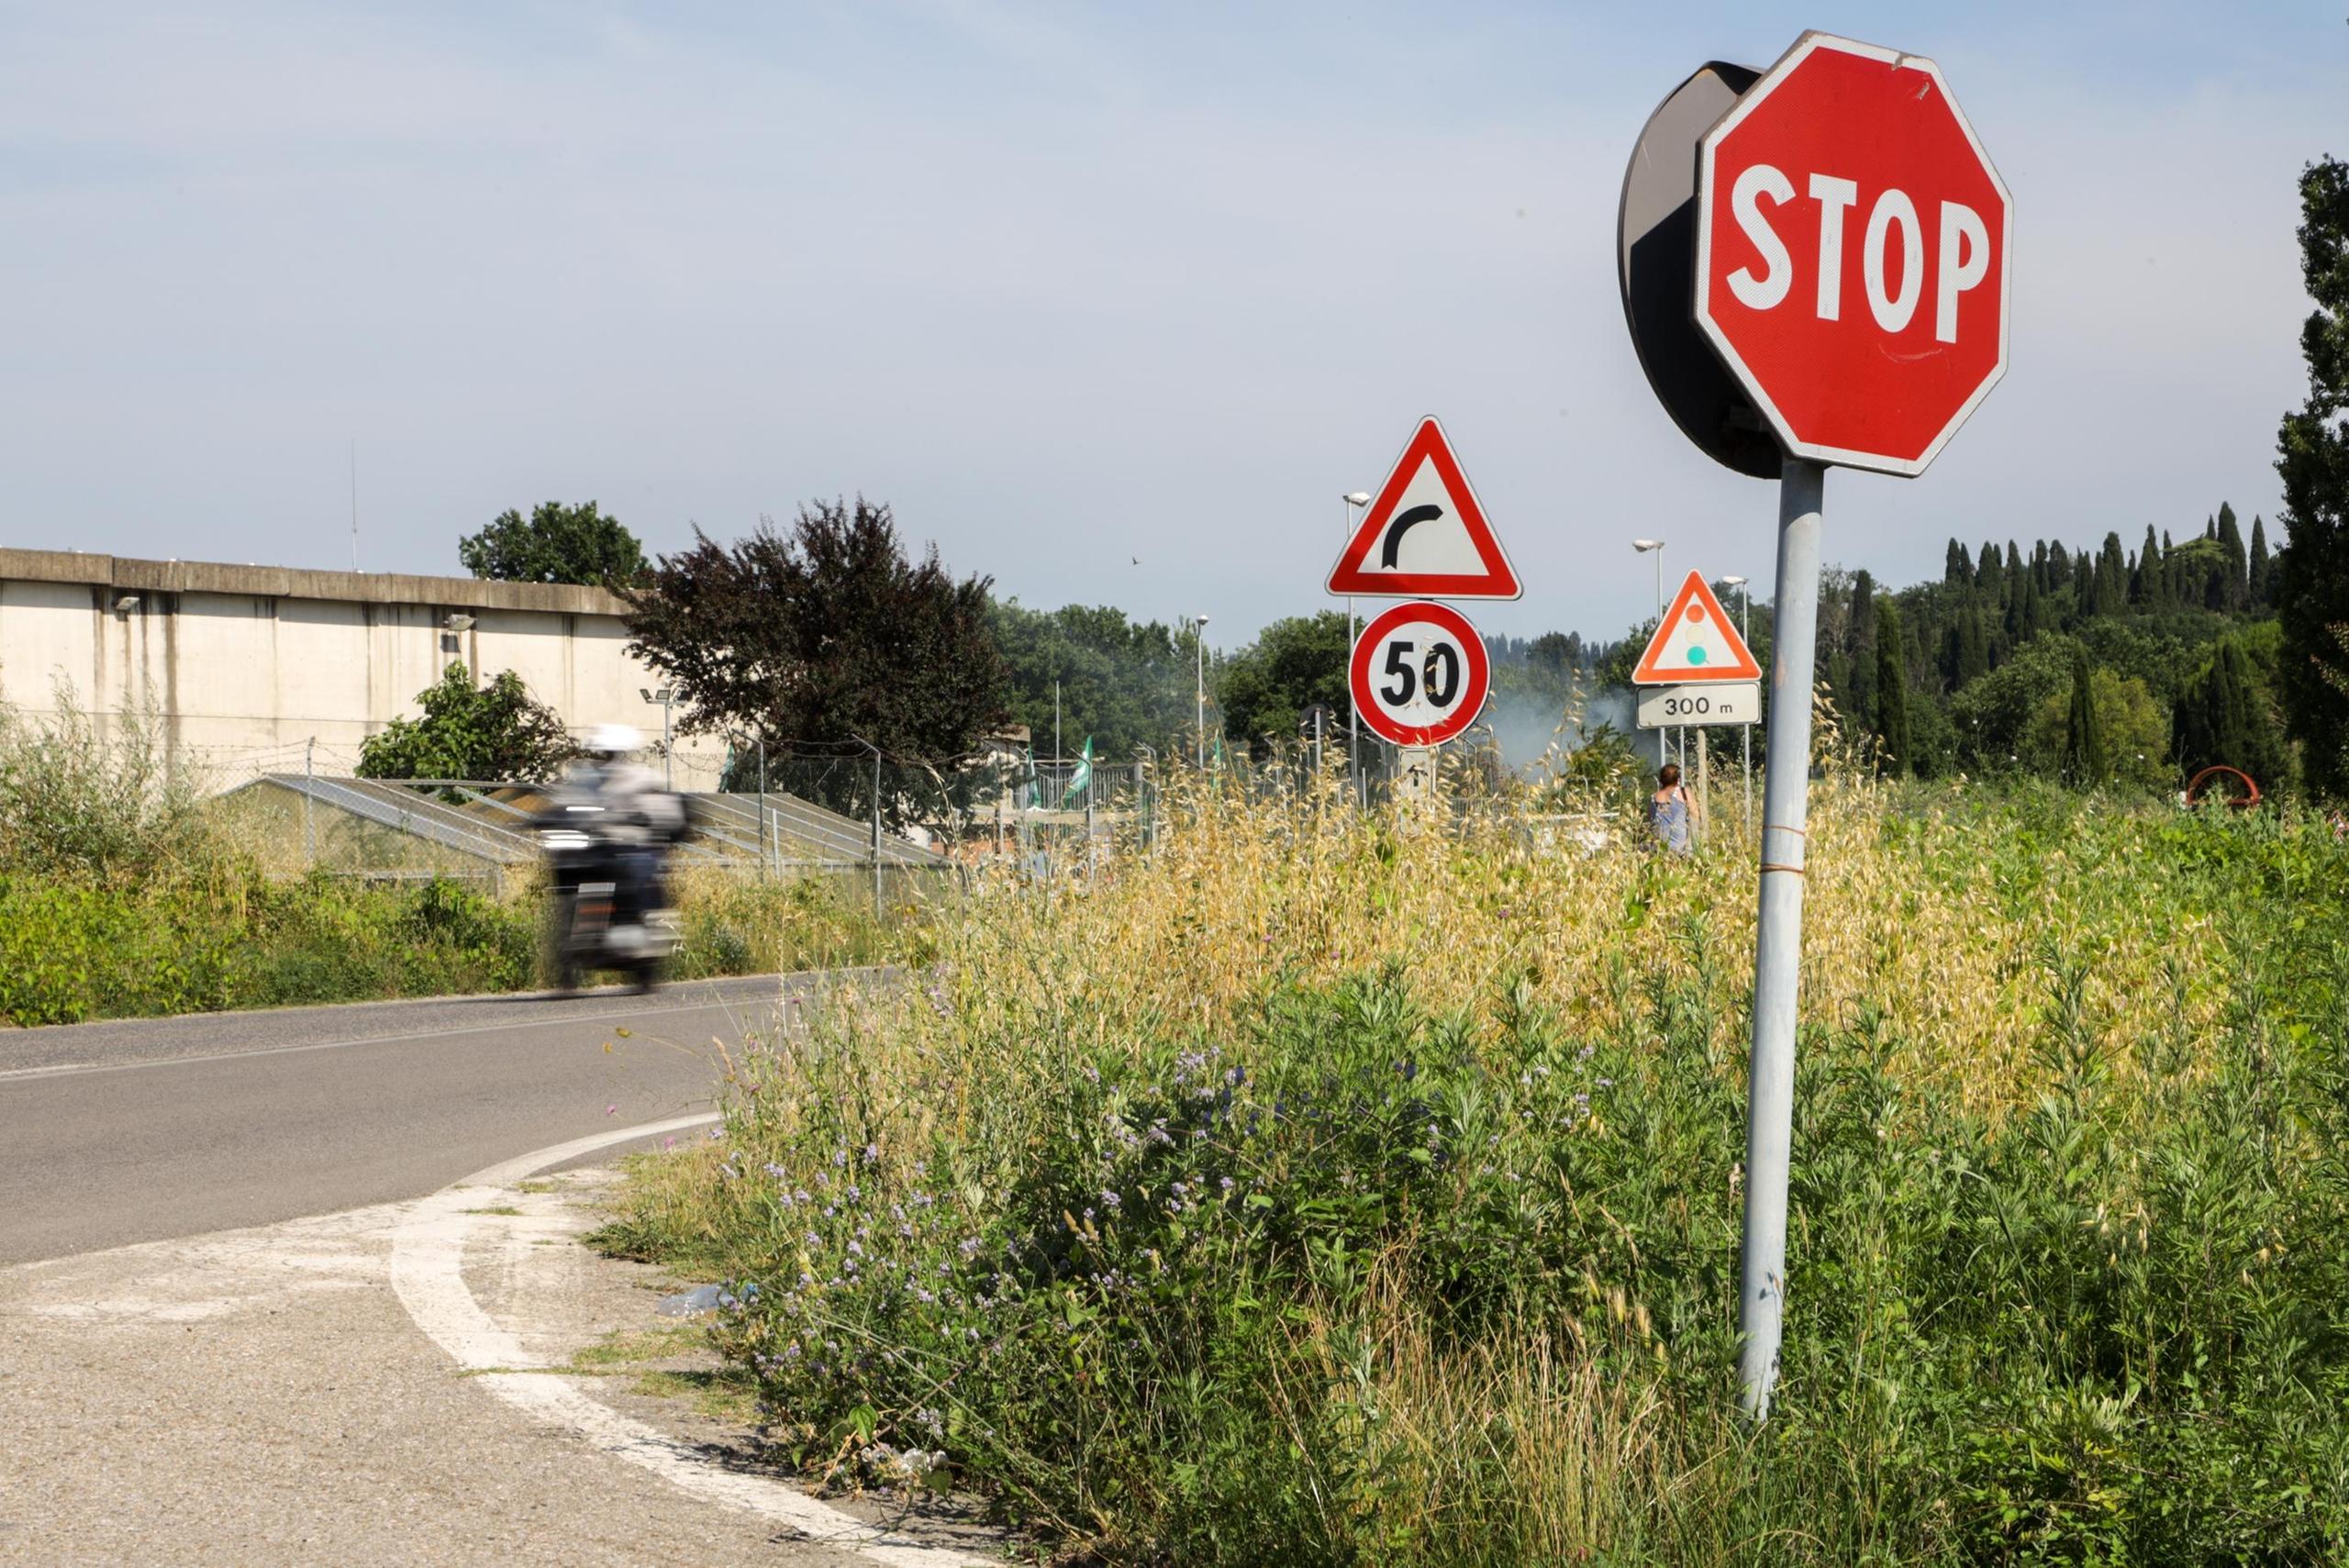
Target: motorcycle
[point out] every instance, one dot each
(602, 894)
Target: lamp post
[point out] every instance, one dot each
(1199, 641)
(1655, 547)
(1353, 499)
(667, 697)
(1745, 631)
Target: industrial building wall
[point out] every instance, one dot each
(244, 667)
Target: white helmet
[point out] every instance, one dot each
(614, 740)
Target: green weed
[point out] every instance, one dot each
(1334, 1189)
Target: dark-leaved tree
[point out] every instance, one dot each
(554, 544)
(2313, 569)
(497, 733)
(823, 640)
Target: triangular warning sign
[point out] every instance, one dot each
(1695, 642)
(1424, 535)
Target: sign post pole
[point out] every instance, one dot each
(1703, 787)
(1777, 961)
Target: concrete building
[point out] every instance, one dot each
(245, 667)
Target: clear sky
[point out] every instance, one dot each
(1111, 301)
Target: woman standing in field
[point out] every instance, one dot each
(1671, 811)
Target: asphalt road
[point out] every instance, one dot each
(146, 1130)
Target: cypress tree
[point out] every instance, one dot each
(2111, 583)
(1973, 648)
(1891, 689)
(2059, 568)
(2149, 565)
(2263, 568)
(2084, 760)
(2221, 719)
(1957, 570)
(2236, 591)
(1864, 650)
(2214, 713)
(1990, 575)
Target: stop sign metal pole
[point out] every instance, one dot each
(1778, 956)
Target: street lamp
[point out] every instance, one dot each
(1353, 499)
(1654, 547)
(667, 697)
(1745, 731)
(1200, 640)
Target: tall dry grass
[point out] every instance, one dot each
(1363, 1187)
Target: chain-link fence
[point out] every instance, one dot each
(896, 826)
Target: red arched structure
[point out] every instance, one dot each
(2200, 781)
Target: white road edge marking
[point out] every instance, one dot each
(687, 1004)
(427, 1272)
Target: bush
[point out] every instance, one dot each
(121, 897)
(77, 802)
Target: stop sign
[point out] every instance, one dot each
(1852, 259)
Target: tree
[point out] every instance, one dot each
(1267, 686)
(823, 641)
(2084, 754)
(1973, 649)
(2150, 591)
(1994, 714)
(2263, 569)
(2131, 729)
(1126, 683)
(1957, 567)
(1891, 688)
(2110, 591)
(557, 544)
(1990, 575)
(2312, 573)
(497, 733)
(1863, 637)
(2234, 590)
(2219, 719)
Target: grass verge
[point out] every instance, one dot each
(1341, 1189)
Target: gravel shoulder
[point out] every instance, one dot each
(261, 1394)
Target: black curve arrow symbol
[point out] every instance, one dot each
(1403, 520)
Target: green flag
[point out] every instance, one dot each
(1081, 779)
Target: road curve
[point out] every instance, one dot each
(148, 1130)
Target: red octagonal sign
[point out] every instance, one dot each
(1852, 259)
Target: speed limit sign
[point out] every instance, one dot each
(1420, 674)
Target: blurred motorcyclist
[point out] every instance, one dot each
(608, 811)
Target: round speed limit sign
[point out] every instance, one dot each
(1419, 674)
